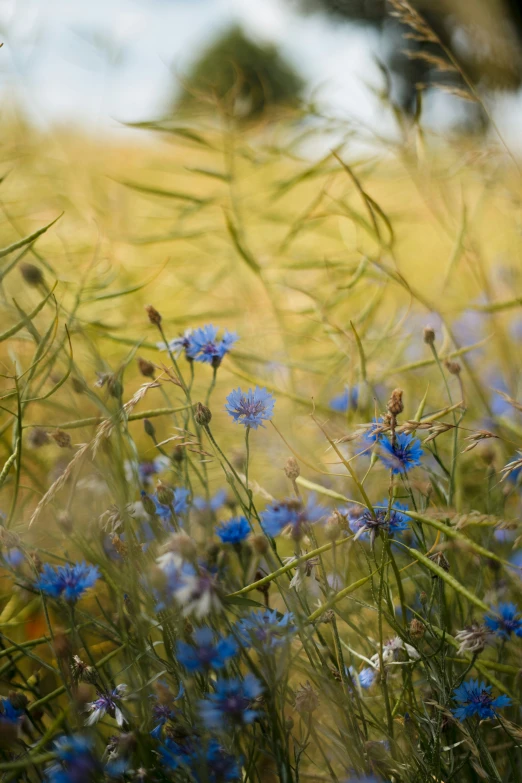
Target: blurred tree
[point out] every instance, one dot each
(246, 77)
(484, 37)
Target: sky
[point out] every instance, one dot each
(101, 63)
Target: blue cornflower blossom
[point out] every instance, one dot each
(107, 703)
(234, 530)
(178, 344)
(291, 516)
(231, 702)
(9, 713)
(384, 518)
(365, 779)
(203, 345)
(266, 628)
(346, 401)
(250, 408)
(14, 557)
(367, 677)
(161, 713)
(211, 764)
(214, 504)
(68, 581)
(180, 503)
(75, 762)
(206, 654)
(507, 620)
(475, 699)
(401, 456)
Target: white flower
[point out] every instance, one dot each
(107, 704)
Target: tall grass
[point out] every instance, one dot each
(376, 297)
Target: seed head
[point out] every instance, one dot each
(164, 493)
(148, 504)
(154, 316)
(259, 544)
(395, 404)
(149, 428)
(441, 560)
(417, 629)
(146, 368)
(202, 414)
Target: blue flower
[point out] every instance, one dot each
(266, 629)
(9, 713)
(68, 581)
(220, 766)
(234, 530)
(180, 503)
(107, 703)
(214, 504)
(206, 654)
(178, 344)
(211, 764)
(367, 677)
(231, 703)
(291, 515)
(75, 762)
(384, 518)
(250, 408)
(203, 345)
(346, 401)
(475, 699)
(14, 557)
(506, 621)
(150, 468)
(162, 713)
(401, 456)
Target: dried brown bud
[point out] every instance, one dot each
(453, 367)
(292, 468)
(119, 545)
(429, 335)
(115, 386)
(328, 616)
(146, 368)
(423, 598)
(62, 439)
(31, 274)
(154, 316)
(37, 438)
(417, 629)
(395, 405)
(202, 414)
(78, 385)
(178, 453)
(306, 699)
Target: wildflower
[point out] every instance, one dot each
(202, 414)
(475, 699)
(367, 677)
(302, 573)
(402, 455)
(507, 620)
(214, 762)
(180, 503)
(107, 703)
(306, 699)
(14, 557)
(231, 703)
(68, 581)
(395, 650)
(9, 713)
(291, 516)
(75, 762)
(206, 654)
(472, 638)
(384, 518)
(267, 628)
(250, 408)
(204, 347)
(178, 344)
(162, 713)
(198, 593)
(346, 401)
(150, 468)
(234, 530)
(220, 765)
(213, 504)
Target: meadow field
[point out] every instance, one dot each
(260, 483)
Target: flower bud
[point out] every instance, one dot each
(154, 316)
(37, 438)
(259, 544)
(417, 629)
(395, 404)
(429, 335)
(202, 414)
(31, 274)
(146, 368)
(453, 367)
(332, 528)
(292, 468)
(148, 504)
(149, 428)
(164, 493)
(62, 439)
